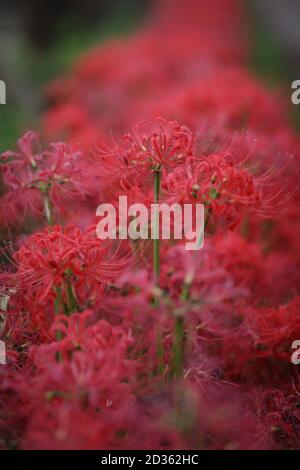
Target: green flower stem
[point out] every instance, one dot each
(156, 268)
(156, 253)
(160, 353)
(179, 337)
(185, 291)
(72, 302)
(178, 350)
(48, 209)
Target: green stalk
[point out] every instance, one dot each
(58, 337)
(160, 354)
(185, 291)
(72, 302)
(48, 209)
(156, 254)
(178, 350)
(57, 306)
(179, 337)
(156, 268)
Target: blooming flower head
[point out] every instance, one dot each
(36, 178)
(149, 147)
(228, 187)
(62, 270)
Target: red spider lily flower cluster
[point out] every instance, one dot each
(37, 180)
(105, 349)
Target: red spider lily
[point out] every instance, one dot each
(158, 147)
(227, 188)
(277, 419)
(78, 386)
(63, 270)
(195, 352)
(51, 178)
(274, 329)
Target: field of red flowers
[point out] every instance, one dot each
(123, 345)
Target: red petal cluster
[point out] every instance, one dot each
(99, 356)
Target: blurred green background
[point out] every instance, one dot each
(71, 37)
(72, 34)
